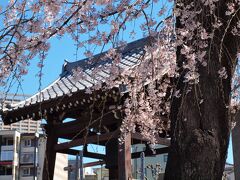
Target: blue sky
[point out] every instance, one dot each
(60, 50)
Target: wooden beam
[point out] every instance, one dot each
(87, 140)
(163, 141)
(85, 154)
(69, 151)
(97, 163)
(77, 126)
(94, 155)
(124, 158)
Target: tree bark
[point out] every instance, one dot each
(200, 131)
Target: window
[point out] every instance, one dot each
(165, 157)
(9, 171)
(27, 158)
(7, 141)
(5, 170)
(6, 155)
(28, 171)
(27, 143)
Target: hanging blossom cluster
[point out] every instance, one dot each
(148, 83)
(194, 36)
(194, 50)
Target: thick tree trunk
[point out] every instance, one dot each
(200, 131)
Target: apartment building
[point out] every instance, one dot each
(25, 126)
(22, 147)
(9, 155)
(28, 156)
(22, 157)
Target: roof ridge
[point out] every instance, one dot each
(86, 64)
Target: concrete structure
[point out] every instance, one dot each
(22, 157)
(101, 173)
(9, 155)
(61, 162)
(28, 156)
(26, 126)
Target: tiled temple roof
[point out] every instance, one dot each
(66, 83)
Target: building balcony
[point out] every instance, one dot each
(28, 149)
(28, 178)
(6, 177)
(28, 173)
(7, 147)
(28, 158)
(6, 155)
(6, 172)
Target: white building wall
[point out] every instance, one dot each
(61, 162)
(41, 155)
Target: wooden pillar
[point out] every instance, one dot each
(50, 153)
(124, 159)
(118, 158)
(112, 158)
(236, 146)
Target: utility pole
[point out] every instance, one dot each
(79, 166)
(142, 170)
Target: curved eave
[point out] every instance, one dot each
(38, 110)
(61, 105)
